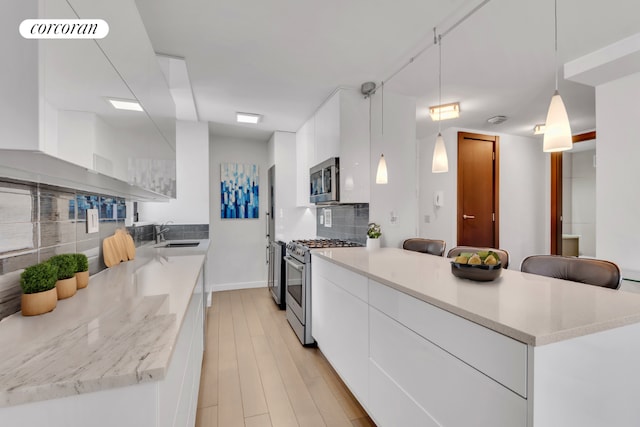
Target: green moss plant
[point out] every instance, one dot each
(39, 278)
(82, 263)
(66, 265)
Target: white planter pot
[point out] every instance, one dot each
(373, 243)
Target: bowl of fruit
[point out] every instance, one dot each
(481, 266)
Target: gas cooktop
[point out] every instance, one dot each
(326, 243)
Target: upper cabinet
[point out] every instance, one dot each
(63, 89)
(340, 128)
(305, 157)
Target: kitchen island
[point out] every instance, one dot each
(419, 346)
(126, 350)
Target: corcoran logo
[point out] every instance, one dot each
(64, 28)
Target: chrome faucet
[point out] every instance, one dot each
(160, 230)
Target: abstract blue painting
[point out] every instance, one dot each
(239, 185)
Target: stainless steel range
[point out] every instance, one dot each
(298, 282)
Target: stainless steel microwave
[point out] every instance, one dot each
(324, 181)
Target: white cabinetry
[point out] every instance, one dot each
(327, 139)
(340, 128)
(410, 363)
(433, 382)
(305, 146)
(60, 126)
(340, 323)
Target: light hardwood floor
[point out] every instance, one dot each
(255, 372)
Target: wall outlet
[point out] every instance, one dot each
(393, 218)
(93, 223)
(327, 217)
(427, 219)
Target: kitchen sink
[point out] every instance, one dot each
(180, 245)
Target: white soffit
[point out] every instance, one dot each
(175, 71)
(609, 63)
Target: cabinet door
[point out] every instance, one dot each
(438, 382)
(355, 161)
(327, 138)
(340, 326)
(304, 150)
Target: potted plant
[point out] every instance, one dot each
(82, 270)
(66, 266)
(38, 283)
(373, 236)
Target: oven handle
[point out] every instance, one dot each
(293, 263)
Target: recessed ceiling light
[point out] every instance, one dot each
(538, 129)
(248, 118)
(444, 112)
(125, 104)
(496, 120)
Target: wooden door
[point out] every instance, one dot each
(478, 190)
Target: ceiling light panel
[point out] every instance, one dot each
(444, 112)
(248, 118)
(124, 104)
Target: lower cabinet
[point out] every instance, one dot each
(340, 324)
(410, 363)
(178, 392)
(439, 388)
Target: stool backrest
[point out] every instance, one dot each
(427, 246)
(590, 271)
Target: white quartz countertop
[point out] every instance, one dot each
(533, 309)
(118, 331)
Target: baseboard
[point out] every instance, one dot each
(233, 286)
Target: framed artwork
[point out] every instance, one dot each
(239, 191)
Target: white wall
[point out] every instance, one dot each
(291, 222)
(191, 205)
(237, 257)
(398, 144)
(618, 204)
(524, 190)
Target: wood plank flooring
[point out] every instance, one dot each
(255, 372)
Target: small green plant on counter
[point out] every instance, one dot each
(39, 278)
(66, 265)
(374, 231)
(82, 263)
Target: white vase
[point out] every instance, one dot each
(373, 243)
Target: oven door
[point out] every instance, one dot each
(296, 292)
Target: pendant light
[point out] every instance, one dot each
(557, 133)
(440, 161)
(381, 174)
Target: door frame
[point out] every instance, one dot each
(556, 193)
(496, 185)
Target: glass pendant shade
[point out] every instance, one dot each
(381, 174)
(557, 133)
(440, 161)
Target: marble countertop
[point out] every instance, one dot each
(533, 309)
(119, 331)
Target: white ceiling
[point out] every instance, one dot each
(283, 58)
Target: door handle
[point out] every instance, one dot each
(468, 216)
